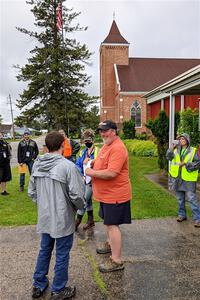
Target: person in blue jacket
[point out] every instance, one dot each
(84, 159)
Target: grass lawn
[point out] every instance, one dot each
(149, 200)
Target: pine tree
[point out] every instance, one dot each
(55, 71)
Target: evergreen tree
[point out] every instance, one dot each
(1, 119)
(55, 71)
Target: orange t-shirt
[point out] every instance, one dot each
(67, 148)
(113, 157)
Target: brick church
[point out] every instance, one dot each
(125, 80)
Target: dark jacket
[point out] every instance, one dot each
(5, 153)
(75, 149)
(27, 151)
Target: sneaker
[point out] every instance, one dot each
(5, 193)
(197, 224)
(111, 266)
(37, 292)
(68, 292)
(181, 219)
(104, 249)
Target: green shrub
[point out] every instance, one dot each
(141, 136)
(129, 129)
(189, 122)
(141, 148)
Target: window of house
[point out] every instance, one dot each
(136, 114)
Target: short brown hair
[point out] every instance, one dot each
(54, 140)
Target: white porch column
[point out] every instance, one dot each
(171, 118)
(162, 104)
(182, 102)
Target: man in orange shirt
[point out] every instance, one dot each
(112, 188)
(71, 147)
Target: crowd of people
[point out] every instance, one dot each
(63, 182)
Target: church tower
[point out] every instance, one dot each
(114, 50)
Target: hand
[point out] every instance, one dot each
(86, 160)
(88, 172)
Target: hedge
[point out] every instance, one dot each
(141, 148)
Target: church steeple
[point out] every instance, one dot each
(114, 36)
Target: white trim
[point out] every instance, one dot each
(171, 118)
(117, 77)
(182, 102)
(132, 93)
(162, 104)
(115, 44)
(157, 97)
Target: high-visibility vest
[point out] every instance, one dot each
(174, 166)
(96, 150)
(67, 148)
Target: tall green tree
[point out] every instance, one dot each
(1, 119)
(55, 73)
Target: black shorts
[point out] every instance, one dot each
(115, 214)
(5, 173)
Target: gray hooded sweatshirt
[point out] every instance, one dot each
(58, 189)
(178, 184)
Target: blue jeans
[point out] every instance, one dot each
(193, 202)
(88, 200)
(63, 247)
(22, 176)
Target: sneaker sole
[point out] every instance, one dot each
(98, 251)
(111, 270)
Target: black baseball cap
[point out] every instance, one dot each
(107, 124)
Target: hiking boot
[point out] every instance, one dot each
(37, 292)
(66, 293)
(104, 249)
(78, 221)
(21, 188)
(197, 224)
(5, 193)
(181, 219)
(90, 221)
(111, 266)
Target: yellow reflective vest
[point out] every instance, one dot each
(174, 166)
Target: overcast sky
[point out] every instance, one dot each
(161, 28)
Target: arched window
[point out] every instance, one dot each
(136, 114)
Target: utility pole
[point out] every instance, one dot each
(11, 109)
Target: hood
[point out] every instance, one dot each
(46, 162)
(186, 136)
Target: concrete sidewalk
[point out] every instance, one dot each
(162, 259)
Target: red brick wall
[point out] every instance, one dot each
(110, 55)
(125, 109)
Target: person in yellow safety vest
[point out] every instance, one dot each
(184, 163)
(83, 161)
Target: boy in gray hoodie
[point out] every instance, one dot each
(58, 190)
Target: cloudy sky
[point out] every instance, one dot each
(159, 28)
